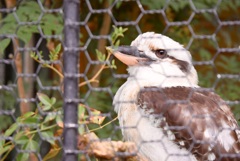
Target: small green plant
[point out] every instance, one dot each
(53, 57)
(31, 127)
(46, 122)
(115, 39)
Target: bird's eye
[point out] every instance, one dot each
(161, 53)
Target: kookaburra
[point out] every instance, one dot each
(163, 110)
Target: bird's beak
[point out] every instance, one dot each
(129, 55)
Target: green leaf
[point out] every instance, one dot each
(46, 107)
(48, 136)
(47, 103)
(5, 149)
(59, 121)
(117, 43)
(22, 156)
(3, 44)
(81, 129)
(53, 56)
(24, 34)
(153, 4)
(28, 11)
(81, 110)
(34, 55)
(47, 30)
(9, 19)
(44, 99)
(119, 3)
(8, 25)
(117, 33)
(58, 48)
(30, 120)
(50, 117)
(31, 145)
(81, 113)
(21, 139)
(8, 28)
(178, 5)
(55, 53)
(101, 57)
(113, 64)
(2, 142)
(11, 129)
(6, 118)
(51, 154)
(205, 54)
(27, 115)
(53, 100)
(50, 21)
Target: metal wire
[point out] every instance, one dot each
(19, 84)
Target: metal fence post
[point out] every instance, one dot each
(70, 58)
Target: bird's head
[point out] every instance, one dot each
(159, 60)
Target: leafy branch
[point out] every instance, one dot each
(37, 126)
(53, 56)
(115, 39)
(50, 126)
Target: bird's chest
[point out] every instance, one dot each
(134, 124)
(150, 140)
(126, 108)
(137, 127)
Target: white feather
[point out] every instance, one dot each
(152, 142)
(225, 137)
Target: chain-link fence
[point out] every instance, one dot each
(58, 80)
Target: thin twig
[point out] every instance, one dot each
(7, 153)
(47, 128)
(86, 82)
(103, 125)
(49, 66)
(94, 78)
(55, 70)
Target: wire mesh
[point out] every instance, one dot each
(58, 81)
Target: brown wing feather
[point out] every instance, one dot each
(198, 119)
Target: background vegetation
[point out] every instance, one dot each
(30, 61)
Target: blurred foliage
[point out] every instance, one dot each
(32, 127)
(29, 12)
(46, 23)
(46, 122)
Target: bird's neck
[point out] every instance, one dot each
(158, 76)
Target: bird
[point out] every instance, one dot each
(163, 110)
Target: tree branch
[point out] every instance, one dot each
(110, 150)
(106, 24)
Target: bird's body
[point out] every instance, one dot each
(136, 127)
(163, 110)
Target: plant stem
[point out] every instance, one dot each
(93, 79)
(7, 143)
(55, 70)
(89, 81)
(49, 66)
(47, 128)
(103, 125)
(6, 154)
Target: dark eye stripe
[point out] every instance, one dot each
(183, 65)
